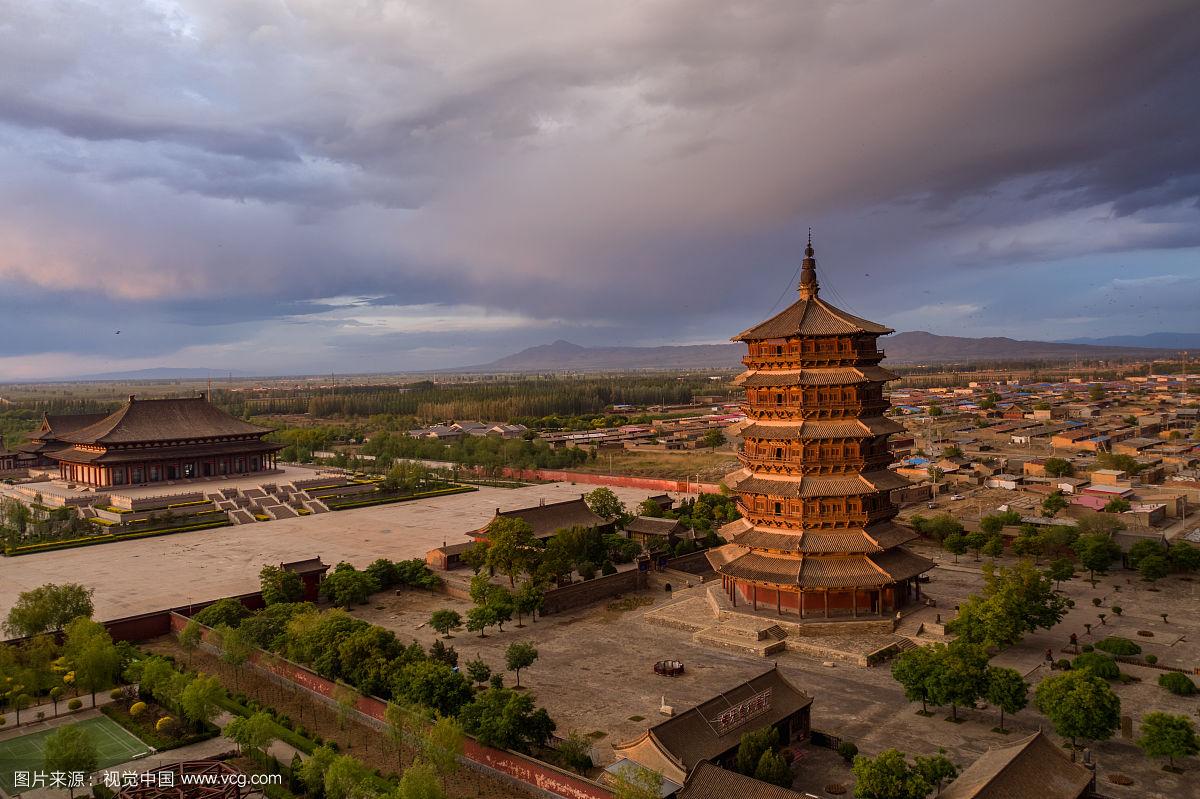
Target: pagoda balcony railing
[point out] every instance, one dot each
(807, 360)
(828, 410)
(801, 466)
(816, 520)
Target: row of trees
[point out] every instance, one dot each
(366, 659)
(957, 675)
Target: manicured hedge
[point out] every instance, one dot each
(281, 732)
(1115, 645)
(105, 539)
(387, 500)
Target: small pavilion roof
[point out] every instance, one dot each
(1032, 766)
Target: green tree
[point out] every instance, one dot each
(402, 717)
(189, 638)
(47, 608)
(478, 671)
(519, 655)
(253, 733)
(888, 776)
(774, 769)
(650, 507)
(70, 749)
(604, 503)
(1183, 556)
(1061, 569)
(506, 719)
(280, 585)
(91, 652)
(752, 746)
(713, 438)
(955, 544)
(200, 698)
(442, 746)
(975, 542)
(1079, 705)
(1117, 505)
(479, 618)
(512, 548)
(1054, 503)
(1015, 600)
(345, 777)
(935, 768)
(419, 781)
(1167, 735)
(346, 586)
(961, 676)
(312, 771)
(1058, 467)
(1096, 553)
(913, 670)
(994, 547)
(636, 782)
(528, 600)
(941, 526)
(1153, 568)
(1143, 549)
(235, 650)
(434, 685)
(1007, 690)
(226, 612)
(444, 621)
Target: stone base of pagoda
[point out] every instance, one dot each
(744, 615)
(822, 604)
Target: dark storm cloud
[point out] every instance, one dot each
(611, 171)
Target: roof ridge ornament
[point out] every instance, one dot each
(808, 273)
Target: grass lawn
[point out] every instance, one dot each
(674, 465)
(114, 745)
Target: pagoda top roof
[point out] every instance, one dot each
(142, 421)
(810, 315)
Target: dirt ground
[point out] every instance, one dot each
(365, 743)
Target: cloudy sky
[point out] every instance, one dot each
(314, 186)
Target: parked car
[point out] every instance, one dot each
(957, 496)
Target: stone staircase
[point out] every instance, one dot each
(750, 635)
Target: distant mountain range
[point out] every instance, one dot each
(912, 347)
(1158, 341)
(164, 373)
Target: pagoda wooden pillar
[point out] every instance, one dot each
(825, 594)
(854, 602)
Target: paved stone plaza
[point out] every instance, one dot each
(132, 577)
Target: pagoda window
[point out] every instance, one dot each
(779, 398)
(779, 453)
(779, 350)
(778, 508)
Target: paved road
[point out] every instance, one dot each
(131, 577)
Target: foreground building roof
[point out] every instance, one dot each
(1033, 767)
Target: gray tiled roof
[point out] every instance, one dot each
(810, 317)
(153, 420)
(1033, 766)
(847, 375)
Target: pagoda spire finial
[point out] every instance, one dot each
(808, 272)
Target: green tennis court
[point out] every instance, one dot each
(114, 745)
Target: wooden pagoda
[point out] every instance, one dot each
(817, 538)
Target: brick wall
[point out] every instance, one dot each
(648, 483)
(580, 594)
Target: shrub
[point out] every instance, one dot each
(116, 694)
(1177, 683)
(74, 704)
(1063, 664)
(1117, 609)
(847, 750)
(137, 709)
(1088, 648)
(1096, 601)
(608, 568)
(1116, 645)
(1098, 665)
(1151, 659)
